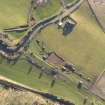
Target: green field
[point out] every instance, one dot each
(13, 13)
(69, 91)
(84, 47)
(68, 1)
(49, 9)
(19, 71)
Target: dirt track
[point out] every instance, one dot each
(98, 87)
(98, 7)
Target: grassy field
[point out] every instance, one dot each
(49, 9)
(84, 47)
(68, 1)
(13, 13)
(19, 73)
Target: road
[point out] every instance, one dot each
(16, 51)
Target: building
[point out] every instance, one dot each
(55, 60)
(68, 27)
(59, 62)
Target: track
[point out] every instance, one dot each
(98, 8)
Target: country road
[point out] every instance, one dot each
(16, 51)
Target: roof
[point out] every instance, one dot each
(55, 60)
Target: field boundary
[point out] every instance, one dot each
(15, 85)
(96, 88)
(91, 5)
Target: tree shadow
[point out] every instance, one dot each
(53, 83)
(41, 74)
(29, 70)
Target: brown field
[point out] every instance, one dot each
(98, 87)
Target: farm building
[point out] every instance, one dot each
(68, 27)
(55, 60)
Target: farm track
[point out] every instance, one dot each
(16, 51)
(98, 88)
(97, 13)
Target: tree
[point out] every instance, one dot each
(53, 83)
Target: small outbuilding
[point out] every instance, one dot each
(55, 60)
(68, 27)
(59, 62)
